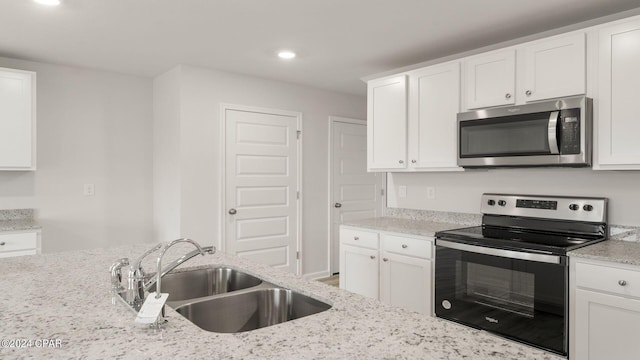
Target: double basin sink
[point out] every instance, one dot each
(226, 300)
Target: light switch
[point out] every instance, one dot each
(89, 190)
(402, 191)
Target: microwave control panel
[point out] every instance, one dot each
(570, 131)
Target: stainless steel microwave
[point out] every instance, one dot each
(550, 133)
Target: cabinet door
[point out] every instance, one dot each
(406, 282)
(618, 126)
(387, 123)
(490, 79)
(606, 327)
(359, 270)
(17, 120)
(555, 68)
(434, 100)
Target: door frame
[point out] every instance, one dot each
(332, 121)
(223, 175)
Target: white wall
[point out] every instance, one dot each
(201, 92)
(93, 127)
(166, 156)
(460, 192)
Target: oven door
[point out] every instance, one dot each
(519, 295)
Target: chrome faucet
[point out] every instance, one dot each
(116, 274)
(161, 272)
(136, 284)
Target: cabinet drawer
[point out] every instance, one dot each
(359, 237)
(407, 246)
(20, 242)
(609, 279)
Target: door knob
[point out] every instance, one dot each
(338, 205)
(232, 211)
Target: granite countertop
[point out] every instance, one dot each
(67, 296)
(623, 248)
(405, 226)
(19, 225)
(17, 220)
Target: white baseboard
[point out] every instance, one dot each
(316, 275)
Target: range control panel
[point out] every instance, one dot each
(548, 207)
(537, 204)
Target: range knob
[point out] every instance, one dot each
(574, 207)
(502, 202)
(587, 207)
(491, 202)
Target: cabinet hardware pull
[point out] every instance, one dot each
(232, 211)
(338, 205)
(356, 238)
(528, 92)
(385, 259)
(413, 161)
(372, 257)
(622, 282)
(2, 243)
(400, 161)
(507, 96)
(404, 246)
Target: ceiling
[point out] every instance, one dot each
(337, 41)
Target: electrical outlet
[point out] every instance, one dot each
(402, 191)
(431, 192)
(89, 190)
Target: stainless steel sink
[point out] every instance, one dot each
(205, 282)
(250, 310)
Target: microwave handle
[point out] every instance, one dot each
(552, 131)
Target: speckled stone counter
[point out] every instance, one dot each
(67, 296)
(403, 225)
(17, 220)
(18, 225)
(623, 247)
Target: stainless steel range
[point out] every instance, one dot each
(510, 275)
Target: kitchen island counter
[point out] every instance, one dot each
(66, 297)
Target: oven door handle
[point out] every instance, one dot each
(552, 131)
(550, 259)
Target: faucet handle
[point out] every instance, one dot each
(116, 273)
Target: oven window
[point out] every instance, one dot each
(521, 136)
(499, 288)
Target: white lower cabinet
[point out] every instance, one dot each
(357, 266)
(19, 243)
(405, 281)
(605, 311)
(397, 272)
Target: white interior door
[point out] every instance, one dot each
(356, 193)
(261, 186)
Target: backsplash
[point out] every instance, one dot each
(624, 233)
(16, 214)
(436, 216)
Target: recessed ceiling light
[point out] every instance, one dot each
(287, 55)
(48, 2)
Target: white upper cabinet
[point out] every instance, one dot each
(491, 79)
(434, 101)
(617, 123)
(555, 68)
(387, 123)
(17, 120)
(539, 70)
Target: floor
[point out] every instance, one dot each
(332, 280)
